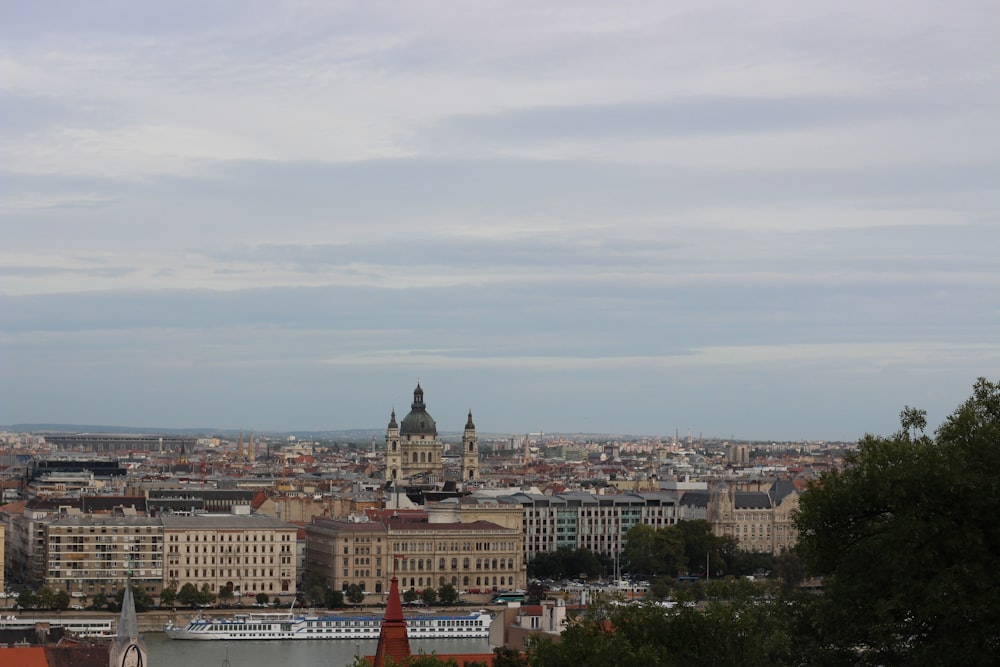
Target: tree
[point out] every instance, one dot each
(355, 595)
(448, 594)
(100, 601)
(26, 599)
(410, 595)
(60, 601)
(225, 594)
(317, 594)
(912, 420)
(206, 596)
(536, 592)
(738, 632)
(429, 595)
(565, 562)
(653, 552)
(508, 657)
(906, 538)
(168, 597)
(140, 598)
(262, 598)
(334, 599)
(44, 598)
(188, 595)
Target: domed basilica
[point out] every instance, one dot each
(413, 451)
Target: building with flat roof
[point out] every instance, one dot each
(248, 554)
(477, 554)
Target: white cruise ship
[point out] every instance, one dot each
(288, 625)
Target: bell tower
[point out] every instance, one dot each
(393, 455)
(470, 452)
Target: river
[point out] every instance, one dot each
(166, 652)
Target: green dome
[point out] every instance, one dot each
(418, 422)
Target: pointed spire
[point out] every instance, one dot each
(128, 646)
(393, 640)
(418, 398)
(469, 426)
(128, 624)
(392, 419)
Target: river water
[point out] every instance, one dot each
(166, 652)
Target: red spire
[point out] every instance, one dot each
(392, 638)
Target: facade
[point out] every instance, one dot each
(477, 554)
(466, 555)
(249, 554)
(760, 521)
(3, 546)
(345, 552)
(413, 451)
(584, 520)
(470, 452)
(88, 555)
(25, 541)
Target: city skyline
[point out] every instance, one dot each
(777, 222)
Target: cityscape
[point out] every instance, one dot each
(511, 334)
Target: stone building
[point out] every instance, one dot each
(415, 454)
(477, 554)
(760, 520)
(248, 554)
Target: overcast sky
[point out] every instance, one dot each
(767, 219)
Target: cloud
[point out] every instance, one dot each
(770, 219)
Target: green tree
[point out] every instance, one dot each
(225, 594)
(740, 632)
(262, 598)
(188, 595)
(508, 657)
(536, 592)
(448, 594)
(317, 594)
(653, 552)
(44, 598)
(410, 595)
(140, 598)
(168, 597)
(26, 599)
(906, 538)
(913, 420)
(206, 596)
(565, 562)
(429, 595)
(100, 601)
(334, 599)
(60, 601)
(355, 595)
(701, 547)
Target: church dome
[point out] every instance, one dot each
(418, 422)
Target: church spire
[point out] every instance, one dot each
(392, 638)
(128, 649)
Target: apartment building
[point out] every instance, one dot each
(87, 554)
(581, 520)
(249, 554)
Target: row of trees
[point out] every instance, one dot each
(46, 598)
(446, 594)
(566, 563)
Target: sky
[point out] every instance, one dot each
(775, 220)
